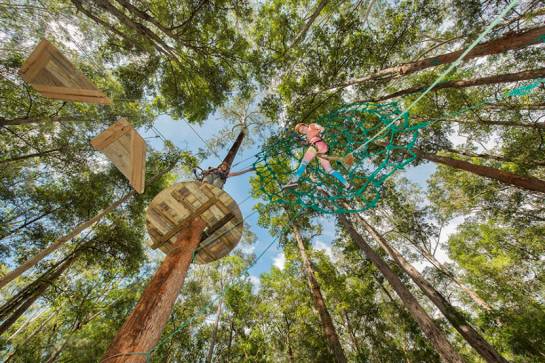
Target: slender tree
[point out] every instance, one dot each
(330, 332)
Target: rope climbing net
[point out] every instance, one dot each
(347, 128)
(375, 139)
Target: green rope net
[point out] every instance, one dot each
(346, 129)
(380, 137)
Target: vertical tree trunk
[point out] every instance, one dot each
(429, 328)
(528, 183)
(303, 32)
(458, 321)
(510, 41)
(351, 333)
(327, 323)
(214, 333)
(142, 329)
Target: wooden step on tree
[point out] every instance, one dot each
(174, 208)
(122, 144)
(52, 75)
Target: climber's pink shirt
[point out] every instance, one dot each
(313, 132)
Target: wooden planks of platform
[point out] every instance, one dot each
(52, 75)
(122, 144)
(174, 208)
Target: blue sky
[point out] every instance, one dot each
(238, 187)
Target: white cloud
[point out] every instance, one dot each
(256, 283)
(322, 246)
(280, 261)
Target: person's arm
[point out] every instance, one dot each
(237, 173)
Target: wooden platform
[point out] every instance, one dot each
(175, 207)
(53, 76)
(122, 144)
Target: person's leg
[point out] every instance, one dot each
(307, 158)
(322, 149)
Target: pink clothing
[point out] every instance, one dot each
(313, 133)
(319, 148)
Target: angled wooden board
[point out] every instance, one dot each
(126, 149)
(52, 75)
(175, 207)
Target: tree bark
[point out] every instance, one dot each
(142, 329)
(29, 156)
(491, 157)
(10, 276)
(327, 323)
(528, 182)
(435, 335)
(496, 79)
(40, 286)
(303, 32)
(214, 333)
(457, 320)
(536, 125)
(510, 41)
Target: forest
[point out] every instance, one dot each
(272, 181)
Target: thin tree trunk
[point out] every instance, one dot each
(523, 182)
(28, 223)
(327, 324)
(506, 106)
(496, 79)
(351, 333)
(214, 333)
(536, 125)
(29, 156)
(303, 32)
(10, 276)
(145, 16)
(457, 320)
(429, 328)
(42, 285)
(509, 41)
(439, 266)
(142, 329)
(491, 157)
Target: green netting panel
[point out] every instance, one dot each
(346, 129)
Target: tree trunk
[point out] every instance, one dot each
(214, 333)
(429, 328)
(492, 157)
(29, 156)
(303, 32)
(496, 79)
(21, 305)
(536, 125)
(10, 276)
(351, 333)
(510, 41)
(528, 182)
(327, 324)
(28, 223)
(142, 329)
(439, 266)
(457, 320)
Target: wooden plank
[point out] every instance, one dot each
(50, 73)
(68, 91)
(222, 222)
(138, 160)
(187, 221)
(111, 134)
(37, 60)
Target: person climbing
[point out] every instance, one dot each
(218, 176)
(318, 147)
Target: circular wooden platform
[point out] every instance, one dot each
(175, 207)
